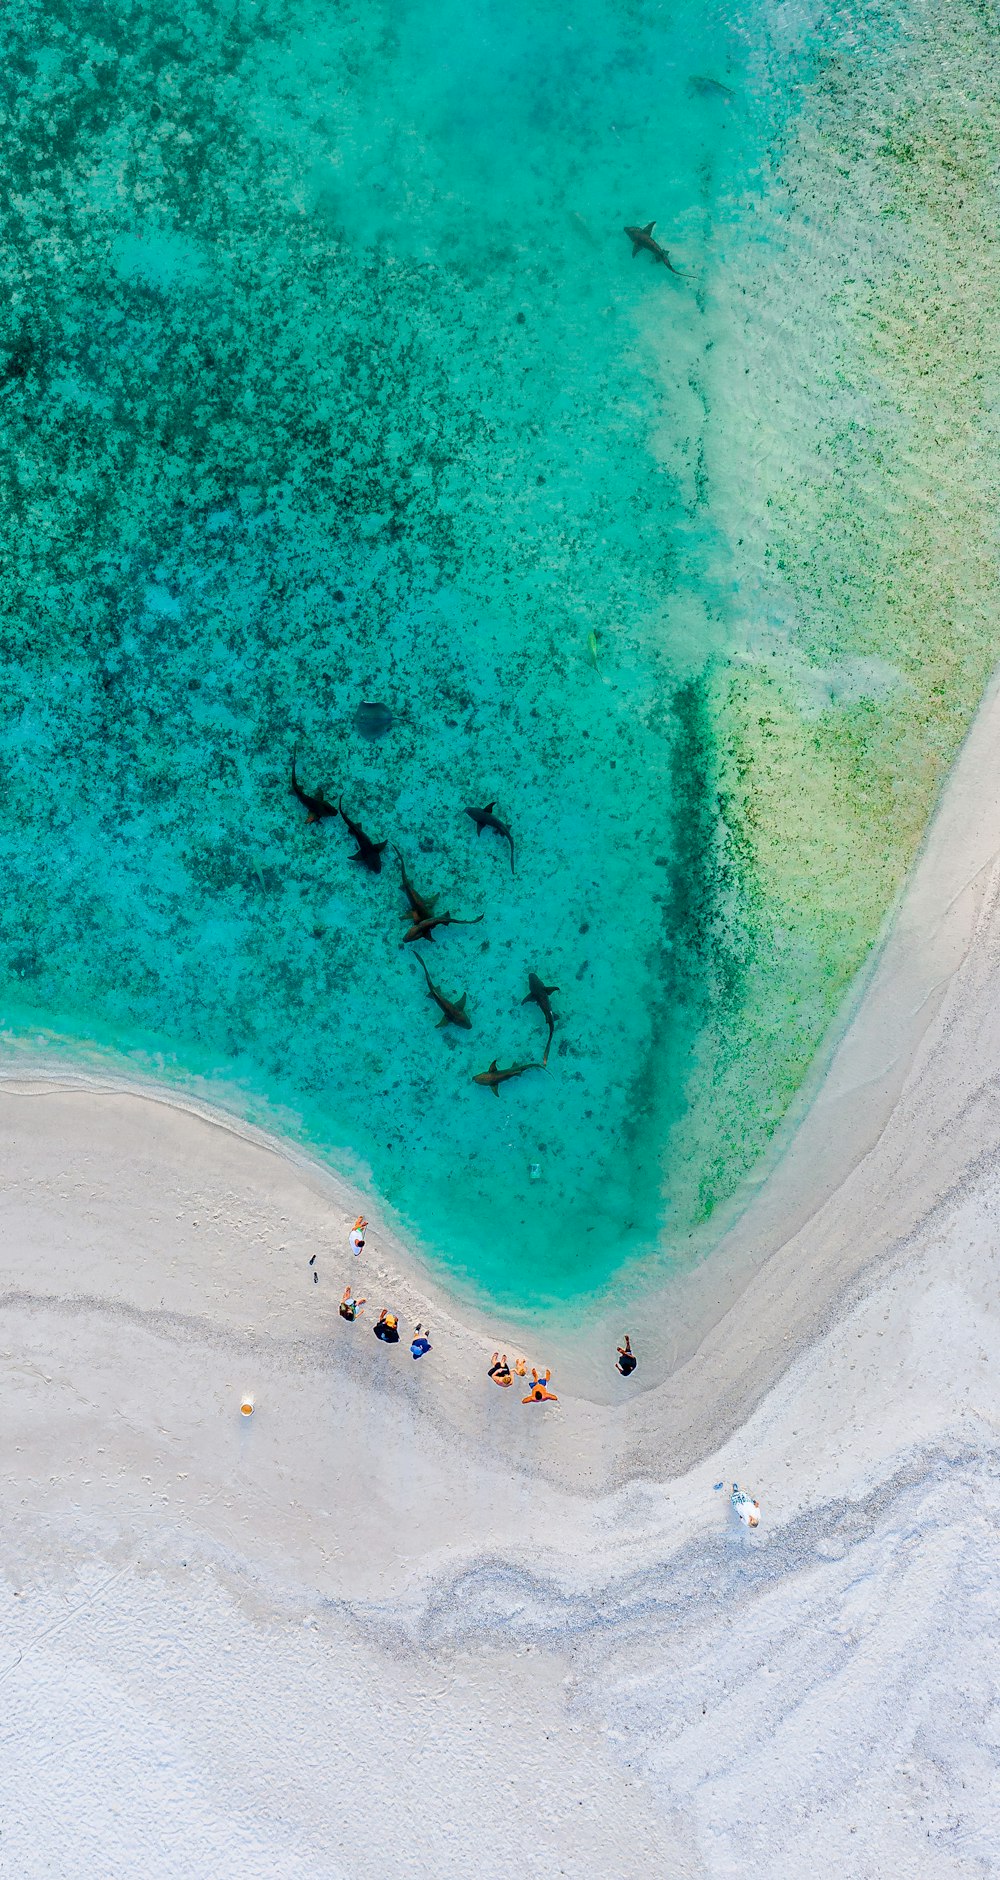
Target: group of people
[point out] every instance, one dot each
(386, 1330)
(500, 1371)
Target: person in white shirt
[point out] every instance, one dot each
(358, 1233)
(747, 1509)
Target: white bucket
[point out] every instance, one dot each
(246, 1405)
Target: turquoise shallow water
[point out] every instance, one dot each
(328, 377)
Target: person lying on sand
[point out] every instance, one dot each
(349, 1306)
(499, 1371)
(538, 1392)
(387, 1327)
(357, 1234)
(627, 1359)
(420, 1344)
(746, 1507)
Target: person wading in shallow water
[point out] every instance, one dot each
(538, 1392)
(627, 1359)
(349, 1306)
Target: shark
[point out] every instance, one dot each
(494, 1077)
(538, 994)
(453, 1011)
(424, 929)
(485, 819)
(420, 907)
(368, 853)
(644, 238)
(317, 805)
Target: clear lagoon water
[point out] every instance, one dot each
(327, 376)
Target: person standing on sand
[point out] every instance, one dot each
(499, 1371)
(387, 1327)
(627, 1359)
(357, 1235)
(538, 1392)
(420, 1344)
(349, 1306)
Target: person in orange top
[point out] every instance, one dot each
(538, 1392)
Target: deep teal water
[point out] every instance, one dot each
(326, 375)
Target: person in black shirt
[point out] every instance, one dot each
(627, 1359)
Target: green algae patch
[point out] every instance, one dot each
(865, 540)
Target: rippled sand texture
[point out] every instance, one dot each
(328, 375)
(861, 505)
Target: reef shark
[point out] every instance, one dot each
(644, 238)
(453, 1011)
(424, 929)
(317, 805)
(539, 995)
(493, 1078)
(485, 819)
(368, 853)
(420, 907)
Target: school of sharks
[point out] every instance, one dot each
(420, 908)
(423, 920)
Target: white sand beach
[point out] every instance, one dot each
(394, 1624)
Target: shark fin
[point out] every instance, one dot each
(549, 989)
(496, 1090)
(443, 1020)
(635, 249)
(493, 1066)
(648, 230)
(460, 1003)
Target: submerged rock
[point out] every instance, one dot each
(372, 720)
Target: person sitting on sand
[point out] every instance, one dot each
(627, 1359)
(349, 1306)
(387, 1327)
(538, 1392)
(499, 1371)
(521, 1367)
(746, 1507)
(357, 1235)
(420, 1344)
